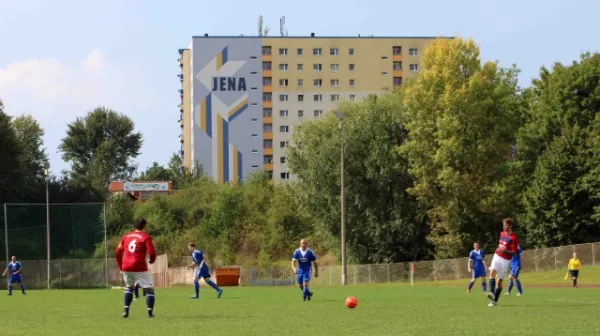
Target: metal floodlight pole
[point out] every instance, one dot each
(342, 199)
(47, 166)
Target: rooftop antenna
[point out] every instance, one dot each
(266, 31)
(282, 30)
(260, 25)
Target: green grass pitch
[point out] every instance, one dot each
(387, 309)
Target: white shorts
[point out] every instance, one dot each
(500, 265)
(144, 279)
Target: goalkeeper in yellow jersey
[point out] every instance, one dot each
(573, 268)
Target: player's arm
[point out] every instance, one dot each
(6, 270)
(469, 263)
(316, 266)
(150, 250)
(119, 254)
(18, 271)
(294, 265)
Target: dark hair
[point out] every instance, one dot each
(191, 244)
(476, 242)
(508, 221)
(140, 224)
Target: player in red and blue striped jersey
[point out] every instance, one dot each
(202, 271)
(507, 248)
(476, 266)
(306, 258)
(15, 268)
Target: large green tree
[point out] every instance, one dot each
(100, 148)
(384, 223)
(33, 158)
(461, 118)
(10, 163)
(558, 155)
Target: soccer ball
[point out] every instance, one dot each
(351, 302)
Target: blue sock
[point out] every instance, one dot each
(150, 301)
(471, 283)
(483, 284)
(197, 288)
(304, 292)
(492, 285)
(23, 288)
(519, 288)
(136, 291)
(511, 283)
(128, 299)
(9, 289)
(212, 284)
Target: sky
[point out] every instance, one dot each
(59, 59)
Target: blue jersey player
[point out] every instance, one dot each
(476, 266)
(202, 271)
(15, 268)
(515, 269)
(305, 258)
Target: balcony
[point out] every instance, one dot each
(267, 58)
(267, 88)
(268, 167)
(268, 104)
(267, 120)
(267, 151)
(267, 73)
(397, 73)
(268, 136)
(397, 58)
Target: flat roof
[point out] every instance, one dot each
(324, 37)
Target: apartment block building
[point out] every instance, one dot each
(242, 97)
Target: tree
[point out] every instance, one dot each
(384, 223)
(33, 158)
(10, 163)
(156, 173)
(100, 148)
(461, 118)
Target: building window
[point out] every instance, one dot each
(266, 66)
(384, 58)
(397, 81)
(283, 82)
(351, 51)
(397, 66)
(282, 159)
(335, 82)
(335, 97)
(300, 67)
(267, 96)
(283, 144)
(300, 82)
(267, 128)
(384, 73)
(270, 174)
(412, 51)
(266, 51)
(396, 50)
(317, 82)
(267, 81)
(254, 135)
(283, 97)
(267, 143)
(334, 51)
(284, 129)
(253, 104)
(255, 151)
(414, 67)
(317, 51)
(318, 98)
(351, 67)
(282, 51)
(268, 159)
(318, 113)
(351, 82)
(300, 113)
(283, 67)
(317, 67)
(283, 113)
(299, 51)
(267, 113)
(352, 97)
(334, 67)
(285, 176)
(300, 98)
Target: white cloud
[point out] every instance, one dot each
(93, 61)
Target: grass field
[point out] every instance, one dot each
(390, 309)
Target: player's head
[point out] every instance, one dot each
(191, 247)
(574, 254)
(476, 246)
(140, 224)
(303, 244)
(13, 259)
(507, 224)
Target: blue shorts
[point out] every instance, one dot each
(478, 273)
(203, 272)
(15, 278)
(514, 270)
(303, 276)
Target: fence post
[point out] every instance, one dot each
(330, 274)
(593, 256)
(412, 274)
(434, 272)
(388, 272)
(355, 274)
(369, 274)
(554, 252)
(535, 259)
(59, 273)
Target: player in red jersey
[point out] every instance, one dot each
(131, 257)
(507, 247)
